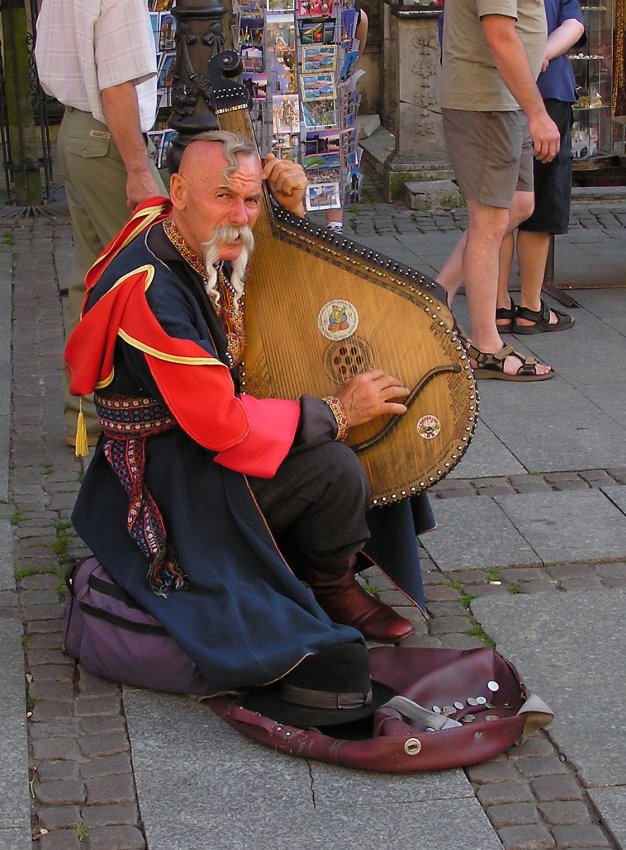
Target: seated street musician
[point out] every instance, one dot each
(211, 507)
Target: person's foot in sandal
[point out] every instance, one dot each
(507, 365)
(505, 316)
(540, 321)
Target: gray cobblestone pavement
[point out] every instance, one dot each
(85, 774)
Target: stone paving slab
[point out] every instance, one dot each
(609, 305)
(568, 526)
(609, 397)
(7, 566)
(486, 456)
(569, 648)
(439, 825)
(611, 805)
(617, 495)
(15, 839)
(5, 381)
(537, 400)
(575, 356)
(581, 437)
(14, 799)
(225, 791)
(355, 788)
(473, 533)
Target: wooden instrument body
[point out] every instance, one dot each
(302, 289)
(320, 308)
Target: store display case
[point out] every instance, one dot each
(597, 139)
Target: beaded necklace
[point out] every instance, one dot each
(223, 301)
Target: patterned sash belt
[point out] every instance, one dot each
(126, 422)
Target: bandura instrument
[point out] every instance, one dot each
(321, 308)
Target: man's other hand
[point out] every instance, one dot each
(545, 136)
(287, 183)
(141, 185)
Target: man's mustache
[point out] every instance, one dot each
(227, 234)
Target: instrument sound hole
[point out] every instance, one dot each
(343, 360)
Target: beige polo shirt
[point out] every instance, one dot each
(469, 79)
(84, 46)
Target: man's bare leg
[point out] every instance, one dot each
(503, 301)
(481, 261)
(451, 274)
(532, 253)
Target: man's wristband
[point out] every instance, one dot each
(340, 416)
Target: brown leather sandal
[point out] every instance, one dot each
(506, 314)
(491, 366)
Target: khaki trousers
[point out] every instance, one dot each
(95, 182)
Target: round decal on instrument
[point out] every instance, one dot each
(338, 319)
(428, 427)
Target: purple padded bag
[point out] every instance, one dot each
(114, 637)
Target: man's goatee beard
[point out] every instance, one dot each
(211, 248)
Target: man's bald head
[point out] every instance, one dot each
(231, 147)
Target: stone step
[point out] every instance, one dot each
(432, 194)
(366, 125)
(377, 147)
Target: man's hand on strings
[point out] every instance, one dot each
(371, 394)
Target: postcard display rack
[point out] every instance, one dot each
(298, 61)
(164, 29)
(594, 136)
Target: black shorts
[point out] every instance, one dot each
(553, 180)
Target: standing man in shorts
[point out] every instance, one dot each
(553, 185)
(494, 120)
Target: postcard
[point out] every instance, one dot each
(321, 142)
(166, 71)
(319, 58)
(154, 23)
(286, 146)
(250, 8)
(316, 8)
(167, 138)
(167, 26)
(164, 97)
(280, 5)
(347, 28)
(322, 196)
(281, 60)
(317, 31)
(281, 71)
(319, 113)
(319, 161)
(353, 186)
(280, 33)
(250, 32)
(350, 59)
(318, 87)
(256, 85)
(285, 140)
(286, 113)
(324, 175)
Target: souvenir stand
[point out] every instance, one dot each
(298, 61)
(164, 29)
